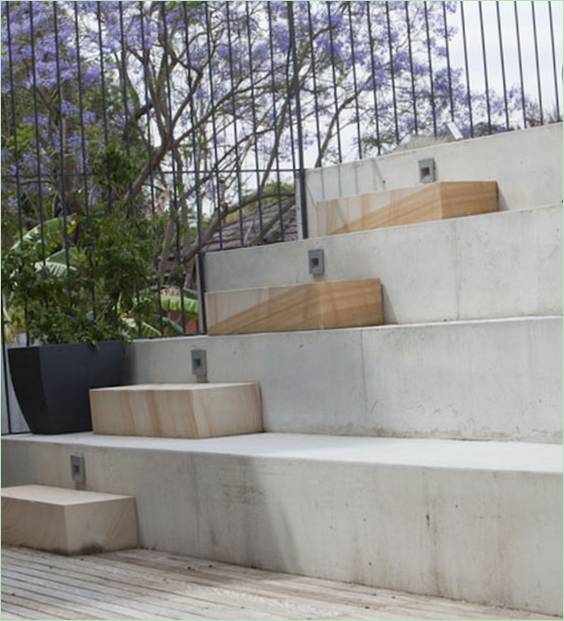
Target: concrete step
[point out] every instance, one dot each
(177, 410)
(432, 201)
(495, 265)
(67, 521)
(313, 306)
(489, 379)
(479, 521)
(526, 164)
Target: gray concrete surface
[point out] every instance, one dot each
(477, 521)
(471, 379)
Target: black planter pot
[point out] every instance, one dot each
(52, 382)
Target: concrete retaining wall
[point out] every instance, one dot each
(498, 265)
(475, 521)
(526, 164)
(475, 380)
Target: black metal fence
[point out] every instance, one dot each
(191, 121)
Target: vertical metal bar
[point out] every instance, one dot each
(170, 129)
(537, 63)
(214, 126)
(411, 69)
(314, 81)
(146, 59)
(449, 74)
(199, 211)
(254, 122)
(125, 101)
(502, 59)
(275, 117)
(520, 59)
(235, 130)
(554, 68)
(468, 89)
(202, 286)
(103, 93)
(486, 82)
(355, 83)
(130, 209)
(5, 369)
(392, 72)
(333, 67)
(14, 125)
(430, 59)
(200, 257)
(84, 169)
(36, 127)
(61, 170)
(373, 69)
(301, 170)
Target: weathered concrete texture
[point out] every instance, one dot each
(475, 379)
(477, 521)
(497, 265)
(526, 164)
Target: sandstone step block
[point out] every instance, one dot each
(177, 410)
(310, 306)
(434, 201)
(67, 521)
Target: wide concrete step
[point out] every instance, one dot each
(177, 410)
(67, 521)
(479, 521)
(312, 306)
(525, 164)
(422, 203)
(494, 265)
(489, 379)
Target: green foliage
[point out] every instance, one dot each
(113, 169)
(103, 295)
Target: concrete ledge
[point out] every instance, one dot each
(495, 379)
(474, 521)
(497, 265)
(526, 164)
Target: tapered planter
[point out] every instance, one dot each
(52, 382)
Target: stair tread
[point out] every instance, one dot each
(179, 386)
(57, 495)
(378, 451)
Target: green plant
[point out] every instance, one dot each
(101, 287)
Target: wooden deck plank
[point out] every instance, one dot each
(81, 598)
(255, 605)
(326, 590)
(143, 583)
(114, 600)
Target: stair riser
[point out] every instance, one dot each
(478, 535)
(527, 166)
(474, 380)
(497, 265)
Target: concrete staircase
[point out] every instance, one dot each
(365, 472)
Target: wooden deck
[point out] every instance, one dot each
(143, 584)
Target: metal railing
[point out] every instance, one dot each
(202, 115)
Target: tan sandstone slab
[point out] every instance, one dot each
(67, 521)
(434, 201)
(177, 410)
(311, 306)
